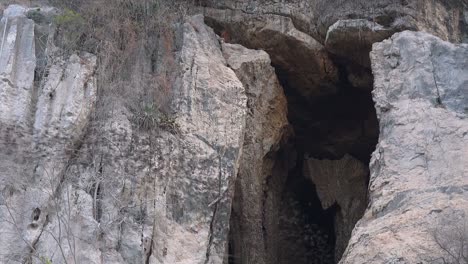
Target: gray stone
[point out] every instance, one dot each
(254, 223)
(420, 94)
(157, 196)
(303, 62)
(81, 181)
(17, 64)
(342, 183)
(353, 38)
(441, 18)
(41, 122)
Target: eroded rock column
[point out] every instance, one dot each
(254, 228)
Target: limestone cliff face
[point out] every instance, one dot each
(419, 170)
(273, 151)
(253, 228)
(319, 18)
(42, 121)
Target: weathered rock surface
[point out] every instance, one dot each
(41, 122)
(353, 38)
(340, 183)
(305, 63)
(17, 64)
(76, 193)
(441, 18)
(419, 170)
(347, 29)
(211, 105)
(165, 197)
(223, 176)
(254, 225)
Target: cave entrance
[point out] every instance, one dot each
(317, 190)
(304, 208)
(325, 193)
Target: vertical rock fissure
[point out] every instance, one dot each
(434, 77)
(264, 213)
(215, 209)
(210, 238)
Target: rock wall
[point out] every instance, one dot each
(306, 64)
(253, 224)
(230, 174)
(441, 18)
(340, 183)
(42, 121)
(109, 190)
(322, 30)
(418, 172)
(140, 196)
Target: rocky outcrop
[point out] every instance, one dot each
(84, 192)
(341, 183)
(353, 38)
(418, 172)
(42, 119)
(141, 196)
(17, 64)
(210, 152)
(347, 29)
(211, 105)
(254, 227)
(441, 18)
(303, 62)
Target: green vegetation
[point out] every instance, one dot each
(71, 26)
(168, 123)
(150, 117)
(147, 117)
(45, 260)
(37, 16)
(69, 18)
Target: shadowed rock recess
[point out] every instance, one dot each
(299, 202)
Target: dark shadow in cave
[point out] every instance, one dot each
(333, 125)
(326, 127)
(337, 123)
(306, 230)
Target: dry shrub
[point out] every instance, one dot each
(452, 242)
(134, 41)
(448, 243)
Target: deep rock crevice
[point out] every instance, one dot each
(325, 191)
(303, 203)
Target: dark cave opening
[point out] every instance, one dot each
(303, 210)
(327, 129)
(303, 225)
(333, 138)
(329, 126)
